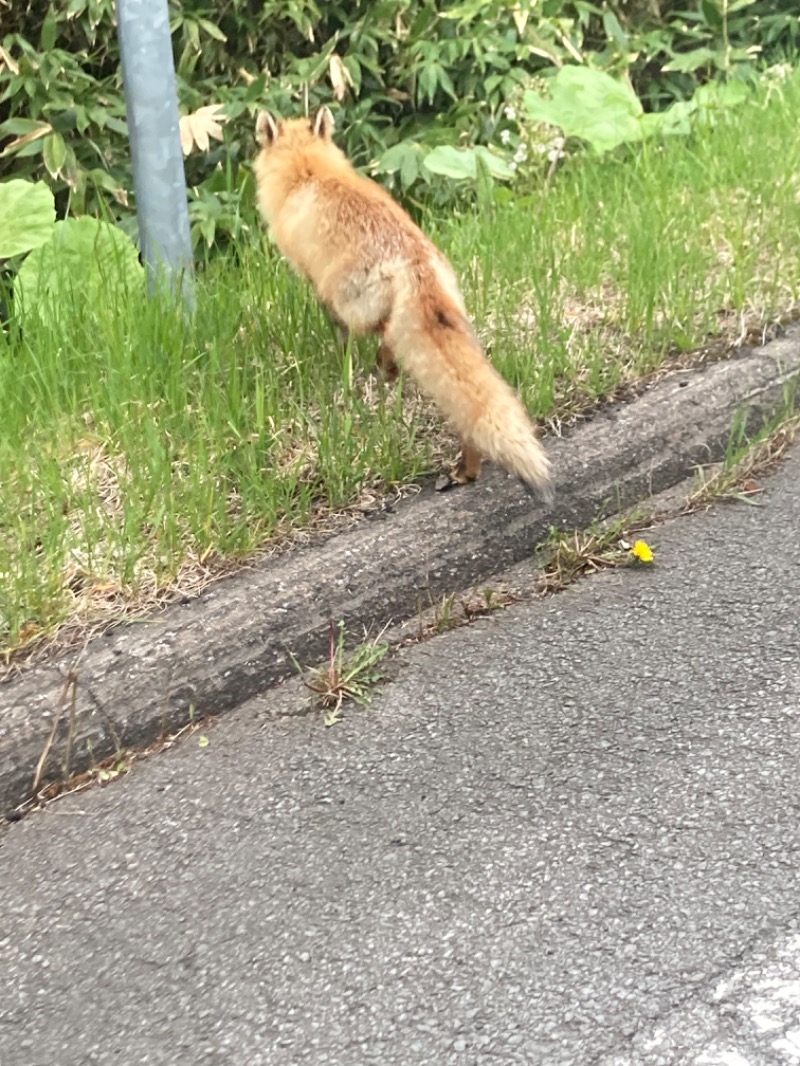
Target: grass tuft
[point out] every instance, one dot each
(604, 546)
(348, 674)
(738, 476)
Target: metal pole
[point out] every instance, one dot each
(151, 101)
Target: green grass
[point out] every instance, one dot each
(141, 452)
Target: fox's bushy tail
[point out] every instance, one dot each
(434, 342)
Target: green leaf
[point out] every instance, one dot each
(495, 164)
(391, 160)
(118, 125)
(614, 31)
(54, 153)
(591, 105)
(451, 162)
(84, 257)
(464, 12)
(427, 82)
(104, 180)
(27, 216)
(409, 169)
(687, 62)
(81, 118)
(193, 33)
(712, 13)
(716, 95)
(353, 68)
(446, 83)
(208, 228)
(212, 30)
(21, 126)
(98, 115)
(462, 163)
(31, 148)
(675, 121)
(49, 31)
(256, 90)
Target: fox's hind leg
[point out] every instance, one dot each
(468, 467)
(357, 297)
(342, 330)
(386, 362)
(469, 464)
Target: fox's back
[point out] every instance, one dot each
(320, 209)
(343, 231)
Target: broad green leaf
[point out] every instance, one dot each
(404, 159)
(729, 94)
(675, 121)
(27, 216)
(451, 162)
(687, 62)
(461, 163)
(392, 159)
(495, 164)
(87, 258)
(591, 105)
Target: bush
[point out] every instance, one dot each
(411, 76)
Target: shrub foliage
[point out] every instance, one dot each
(410, 76)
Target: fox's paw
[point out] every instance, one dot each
(452, 480)
(445, 482)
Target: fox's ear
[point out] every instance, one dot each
(323, 124)
(266, 129)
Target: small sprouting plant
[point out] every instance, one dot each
(348, 675)
(738, 476)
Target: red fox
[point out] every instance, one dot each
(376, 272)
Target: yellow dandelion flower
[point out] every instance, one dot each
(642, 551)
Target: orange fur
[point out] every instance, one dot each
(377, 272)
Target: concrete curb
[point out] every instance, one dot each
(216, 651)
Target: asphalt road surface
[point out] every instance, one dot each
(568, 834)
